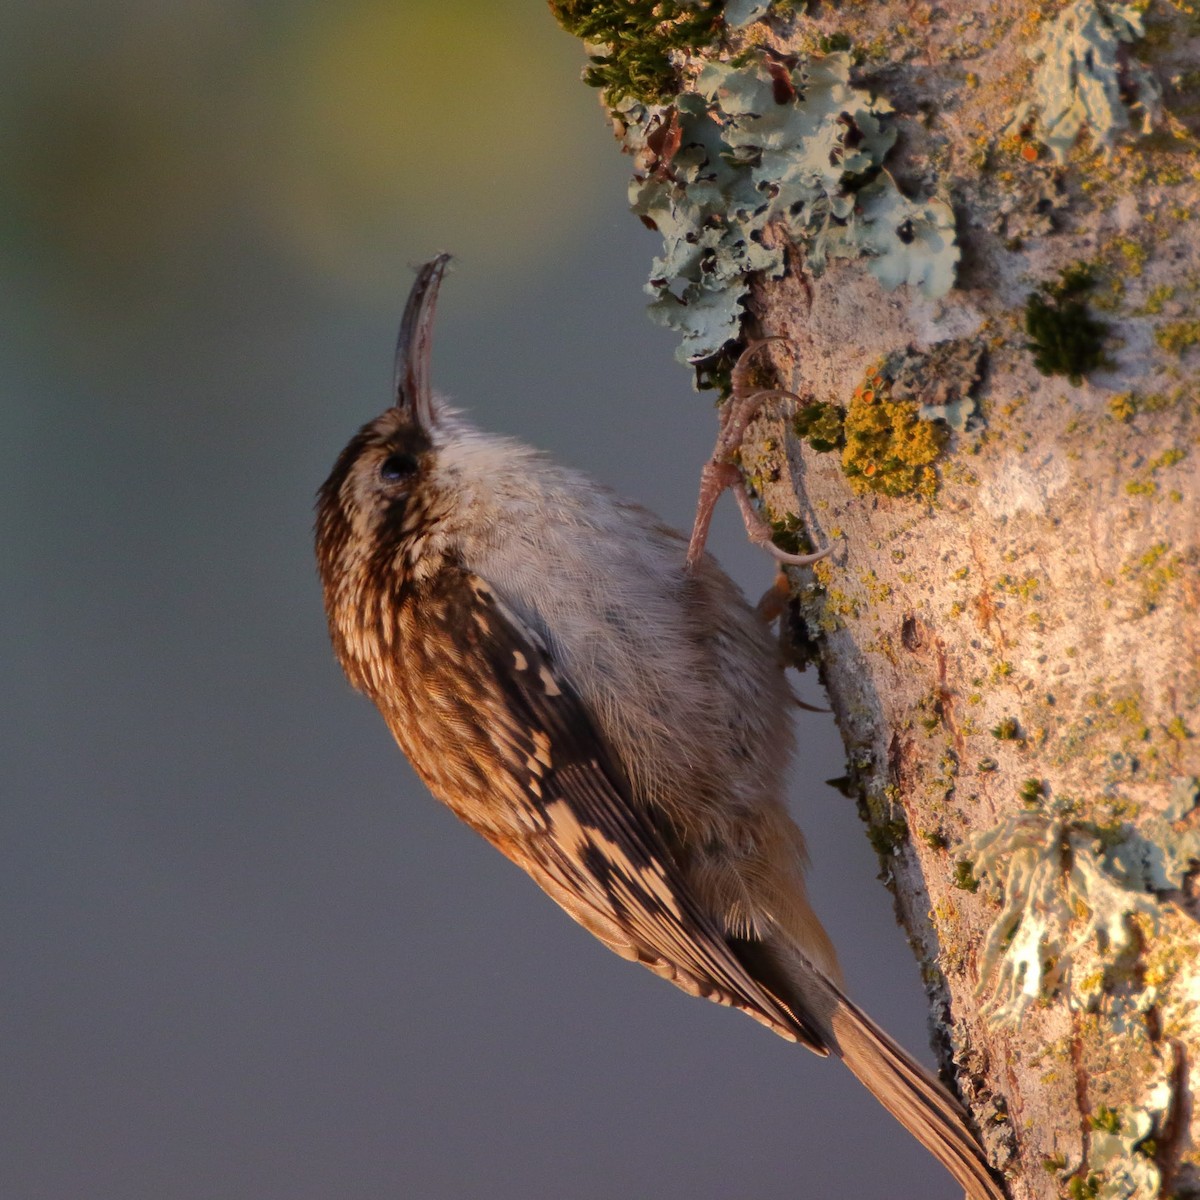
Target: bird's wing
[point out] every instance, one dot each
(589, 845)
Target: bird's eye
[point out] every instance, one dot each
(397, 467)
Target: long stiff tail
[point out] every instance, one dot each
(913, 1096)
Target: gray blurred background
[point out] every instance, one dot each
(244, 955)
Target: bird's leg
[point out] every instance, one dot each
(720, 472)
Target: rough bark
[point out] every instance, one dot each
(1007, 626)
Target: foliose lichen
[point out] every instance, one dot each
(1061, 891)
(1086, 77)
(766, 148)
(941, 380)
(1120, 1164)
(745, 12)
(1156, 856)
(1067, 884)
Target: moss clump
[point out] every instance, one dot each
(634, 39)
(964, 876)
(1065, 338)
(789, 535)
(888, 447)
(821, 425)
(887, 837)
(1008, 730)
(1084, 1187)
(1032, 792)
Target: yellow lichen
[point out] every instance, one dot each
(889, 448)
(1177, 336)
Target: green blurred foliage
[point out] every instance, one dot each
(144, 139)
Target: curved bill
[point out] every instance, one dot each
(414, 346)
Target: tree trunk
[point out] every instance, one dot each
(986, 301)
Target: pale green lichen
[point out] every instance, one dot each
(1155, 856)
(1084, 77)
(941, 380)
(757, 146)
(1060, 893)
(1117, 1157)
(745, 12)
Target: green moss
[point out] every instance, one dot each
(633, 41)
(964, 876)
(1032, 791)
(1065, 338)
(1008, 730)
(889, 449)
(887, 837)
(789, 535)
(831, 43)
(929, 709)
(1177, 336)
(821, 425)
(1084, 1187)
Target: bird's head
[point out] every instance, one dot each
(380, 505)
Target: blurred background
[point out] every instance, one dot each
(244, 954)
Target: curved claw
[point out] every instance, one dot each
(759, 532)
(794, 560)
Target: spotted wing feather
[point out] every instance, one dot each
(589, 845)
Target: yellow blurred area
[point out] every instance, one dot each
(347, 138)
(443, 124)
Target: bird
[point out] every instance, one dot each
(604, 708)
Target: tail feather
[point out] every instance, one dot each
(913, 1096)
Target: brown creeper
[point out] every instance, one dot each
(613, 720)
